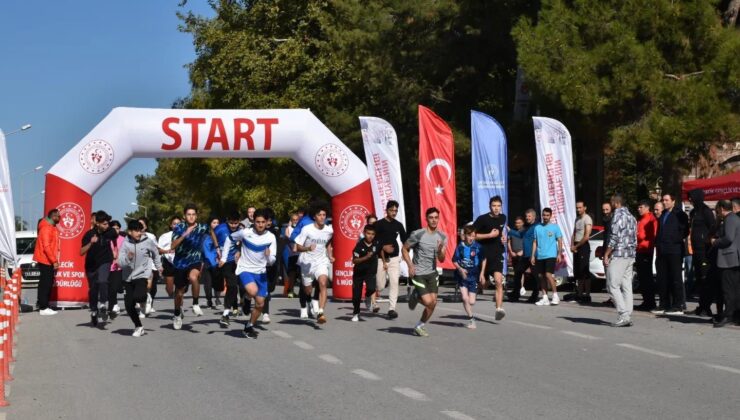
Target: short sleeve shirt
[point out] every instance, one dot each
(517, 239)
(386, 233)
(369, 267)
(190, 251)
(581, 223)
(425, 246)
(484, 224)
(547, 240)
(101, 252)
(468, 257)
(310, 235)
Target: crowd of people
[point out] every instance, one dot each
(240, 261)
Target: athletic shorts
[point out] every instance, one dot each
(293, 264)
(168, 270)
(426, 283)
(494, 264)
(315, 272)
(217, 278)
(469, 283)
(260, 279)
(545, 266)
(182, 276)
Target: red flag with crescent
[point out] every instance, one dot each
(437, 176)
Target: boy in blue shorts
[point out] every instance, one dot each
(467, 261)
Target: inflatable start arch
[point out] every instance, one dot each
(174, 133)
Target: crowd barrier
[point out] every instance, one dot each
(9, 309)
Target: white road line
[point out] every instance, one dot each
(411, 393)
(365, 374)
(649, 351)
(330, 359)
(456, 415)
(581, 335)
(303, 345)
(282, 334)
(527, 324)
(724, 368)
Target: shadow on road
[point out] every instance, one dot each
(398, 330)
(592, 321)
(465, 318)
(185, 327)
(686, 319)
(448, 324)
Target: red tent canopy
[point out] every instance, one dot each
(719, 188)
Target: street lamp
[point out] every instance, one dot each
(133, 203)
(24, 127)
(23, 179)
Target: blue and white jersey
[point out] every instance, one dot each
(222, 231)
(253, 258)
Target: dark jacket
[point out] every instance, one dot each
(701, 221)
(728, 242)
(673, 227)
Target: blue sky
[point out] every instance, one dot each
(65, 65)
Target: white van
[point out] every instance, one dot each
(25, 242)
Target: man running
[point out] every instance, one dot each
(546, 254)
(314, 244)
(227, 267)
(387, 230)
(98, 251)
(258, 251)
(168, 256)
(428, 245)
(187, 240)
(490, 231)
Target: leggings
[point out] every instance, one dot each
(114, 285)
(135, 293)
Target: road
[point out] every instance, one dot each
(561, 362)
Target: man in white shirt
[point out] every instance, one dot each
(316, 258)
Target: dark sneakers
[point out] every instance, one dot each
(224, 322)
(392, 314)
(250, 332)
(94, 319)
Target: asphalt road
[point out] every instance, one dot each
(561, 362)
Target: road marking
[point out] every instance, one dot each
(724, 368)
(411, 393)
(456, 415)
(303, 345)
(330, 359)
(581, 335)
(527, 324)
(365, 374)
(282, 334)
(649, 351)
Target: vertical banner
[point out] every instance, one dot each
(7, 215)
(437, 176)
(383, 164)
(555, 175)
(490, 168)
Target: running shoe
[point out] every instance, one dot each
(522, 291)
(291, 295)
(225, 321)
(500, 314)
(674, 312)
(321, 318)
(116, 309)
(421, 332)
(138, 332)
(555, 300)
(314, 306)
(148, 306)
(113, 314)
(304, 313)
(265, 318)
(543, 302)
(177, 322)
(658, 311)
(471, 324)
(413, 299)
(197, 311)
(142, 315)
(250, 332)
(392, 314)
(356, 318)
(103, 313)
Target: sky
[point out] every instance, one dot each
(65, 65)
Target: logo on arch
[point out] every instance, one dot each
(71, 220)
(96, 157)
(332, 160)
(352, 220)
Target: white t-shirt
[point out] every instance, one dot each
(253, 258)
(165, 242)
(154, 241)
(309, 235)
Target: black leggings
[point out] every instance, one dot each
(114, 285)
(357, 290)
(135, 293)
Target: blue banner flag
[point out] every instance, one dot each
(490, 168)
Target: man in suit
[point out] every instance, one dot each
(673, 227)
(728, 261)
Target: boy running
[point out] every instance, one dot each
(314, 244)
(365, 259)
(467, 262)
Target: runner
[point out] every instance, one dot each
(314, 244)
(273, 270)
(168, 270)
(365, 260)
(258, 251)
(115, 279)
(304, 299)
(136, 255)
(97, 247)
(490, 231)
(187, 240)
(428, 245)
(388, 230)
(546, 254)
(227, 268)
(155, 275)
(467, 262)
(211, 255)
(290, 258)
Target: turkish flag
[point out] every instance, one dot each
(437, 176)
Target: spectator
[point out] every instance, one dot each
(46, 255)
(728, 261)
(619, 259)
(701, 220)
(673, 227)
(647, 229)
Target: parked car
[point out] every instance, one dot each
(25, 242)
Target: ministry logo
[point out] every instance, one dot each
(352, 220)
(71, 220)
(96, 157)
(331, 160)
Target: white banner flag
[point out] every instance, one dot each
(557, 187)
(7, 215)
(383, 164)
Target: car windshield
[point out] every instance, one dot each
(24, 245)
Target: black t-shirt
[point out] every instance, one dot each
(101, 251)
(386, 233)
(484, 224)
(369, 267)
